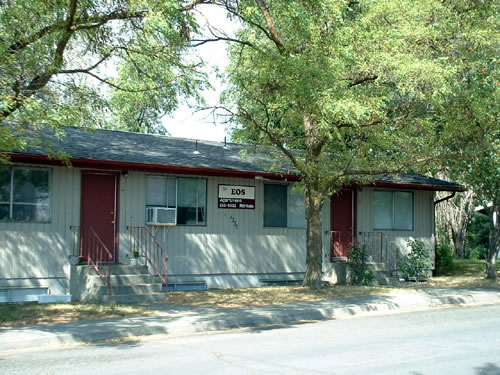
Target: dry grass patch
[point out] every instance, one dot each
(465, 273)
(270, 295)
(28, 314)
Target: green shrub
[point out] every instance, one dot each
(476, 252)
(363, 273)
(477, 240)
(444, 259)
(417, 262)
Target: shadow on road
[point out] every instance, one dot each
(488, 369)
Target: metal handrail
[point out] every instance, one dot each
(338, 242)
(146, 244)
(98, 255)
(380, 247)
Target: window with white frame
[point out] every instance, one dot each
(283, 207)
(187, 195)
(25, 194)
(393, 210)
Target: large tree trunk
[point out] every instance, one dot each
(494, 246)
(314, 260)
(453, 218)
(312, 180)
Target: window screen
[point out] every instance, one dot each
(382, 210)
(24, 194)
(5, 183)
(393, 210)
(403, 210)
(188, 195)
(296, 209)
(275, 205)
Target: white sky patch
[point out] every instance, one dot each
(186, 122)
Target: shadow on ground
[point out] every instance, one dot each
(488, 369)
(182, 319)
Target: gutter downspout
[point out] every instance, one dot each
(435, 237)
(444, 199)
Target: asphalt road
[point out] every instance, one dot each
(444, 341)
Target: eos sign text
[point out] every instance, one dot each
(237, 197)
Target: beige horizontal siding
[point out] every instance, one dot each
(233, 241)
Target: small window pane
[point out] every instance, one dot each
(275, 205)
(403, 210)
(202, 201)
(171, 192)
(156, 192)
(31, 186)
(382, 210)
(4, 211)
(30, 212)
(187, 201)
(296, 209)
(4, 185)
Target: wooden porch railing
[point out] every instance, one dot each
(340, 243)
(377, 245)
(146, 244)
(96, 254)
(381, 248)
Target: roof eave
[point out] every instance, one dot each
(394, 185)
(152, 168)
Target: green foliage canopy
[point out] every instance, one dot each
(346, 90)
(118, 63)
(353, 83)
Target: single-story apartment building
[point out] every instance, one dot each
(223, 220)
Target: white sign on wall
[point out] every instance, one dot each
(237, 197)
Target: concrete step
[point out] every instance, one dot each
(132, 279)
(135, 289)
(119, 280)
(134, 298)
(126, 269)
(385, 278)
(379, 267)
(116, 269)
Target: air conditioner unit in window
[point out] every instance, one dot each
(161, 216)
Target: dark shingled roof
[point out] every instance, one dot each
(413, 179)
(146, 149)
(149, 149)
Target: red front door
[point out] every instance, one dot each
(342, 219)
(98, 215)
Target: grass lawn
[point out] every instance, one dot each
(270, 295)
(28, 314)
(465, 273)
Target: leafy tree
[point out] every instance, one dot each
(470, 118)
(478, 237)
(454, 216)
(345, 90)
(93, 63)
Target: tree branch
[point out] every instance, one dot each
(273, 32)
(111, 84)
(361, 80)
(88, 23)
(41, 80)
